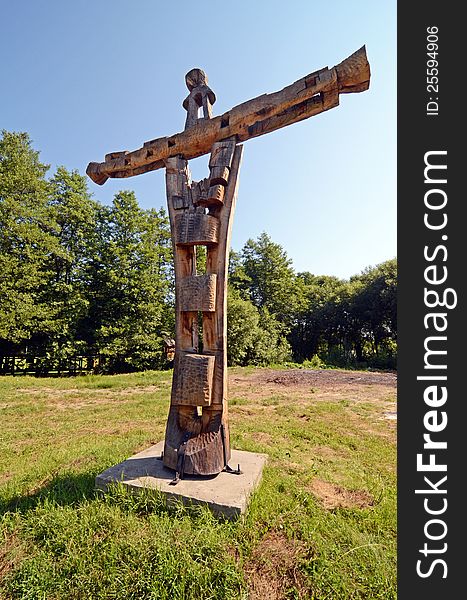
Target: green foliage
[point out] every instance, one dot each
(77, 277)
(262, 303)
(76, 215)
(268, 278)
(375, 304)
(130, 279)
(28, 243)
(80, 278)
(340, 322)
(242, 327)
(253, 335)
(315, 362)
(271, 345)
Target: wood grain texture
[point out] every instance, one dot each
(194, 381)
(198, 293)
(217, 260)
(219, 175)
(195, 228)
(215, 195)
(222, 154)
(300, 100)
(207, 444)
(204, 453)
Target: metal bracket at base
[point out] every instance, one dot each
(181, 459)
(175, 480)
(237, 471)
(227, 468)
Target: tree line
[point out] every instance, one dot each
(81, 278)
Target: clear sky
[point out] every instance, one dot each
(85, 78)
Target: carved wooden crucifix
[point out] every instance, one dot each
(201, 214)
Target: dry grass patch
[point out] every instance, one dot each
(327, 453)
(332, 496)
(11, 553)
(273, 571)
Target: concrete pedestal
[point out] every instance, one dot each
(225, 494)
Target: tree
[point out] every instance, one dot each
(131, 285)
(28, 243)
(376, 304)
(263, 276)
(242, 327)
(253, 335)
(75, 213)
(348, 321)
(268, 278)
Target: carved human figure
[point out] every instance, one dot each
(200, 97)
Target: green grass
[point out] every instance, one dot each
(322, 525)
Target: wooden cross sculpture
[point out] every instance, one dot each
(201, 214)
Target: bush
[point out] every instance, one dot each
(254, 337)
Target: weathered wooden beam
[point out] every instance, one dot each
(311, 95)
(197, 442)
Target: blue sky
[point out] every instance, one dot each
(87, 78)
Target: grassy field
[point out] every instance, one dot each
(321, 526)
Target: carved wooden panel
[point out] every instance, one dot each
(199, 190)
(194, 380)
(215, 194)
(177, 177)
(198, 293)
(222, 153)
(219, 175)
(194, 228)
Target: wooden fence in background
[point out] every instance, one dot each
(41, 366)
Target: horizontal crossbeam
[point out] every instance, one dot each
(311, 95)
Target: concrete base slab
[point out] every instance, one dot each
(225, 494)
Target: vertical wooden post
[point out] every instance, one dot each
(201, 213)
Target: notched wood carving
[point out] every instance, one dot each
(197, 293)
(251, 118)
(222, 153)
(215, 195)
(178, 182)
(194, 382)
(196, 228)
(219, 175)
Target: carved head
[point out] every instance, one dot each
(195, 77)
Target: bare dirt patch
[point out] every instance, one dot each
(334, 496)
(326, 452)
(328, 377)
(269, 381)
(4, 477)
(367, 394)
(263, 437)
(273, 568)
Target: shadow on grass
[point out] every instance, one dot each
(64, 490)
(74, 489)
